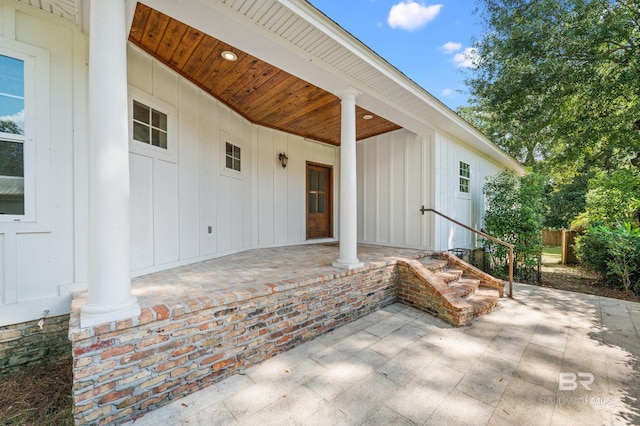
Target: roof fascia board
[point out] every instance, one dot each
(340, 35)
(264, 44)
(242, 32)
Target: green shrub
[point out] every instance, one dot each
(613, 252)
(612, 197)
(514, 214)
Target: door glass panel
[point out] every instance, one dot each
(313, 180)
(312, 203)
(322, 177)
(321, 203)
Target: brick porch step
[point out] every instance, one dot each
(434, 265)
(450, 275)
(465, 287)
(449, 288)
(483, 301)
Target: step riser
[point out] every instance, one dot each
(448, 288)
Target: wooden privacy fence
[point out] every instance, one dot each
(551, 237)
(563, 238)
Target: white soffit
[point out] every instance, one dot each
(63, 8)
(296, 37)
(335, 47)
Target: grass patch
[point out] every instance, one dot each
(38, 395)
(552, 250)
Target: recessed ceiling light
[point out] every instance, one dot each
(367, 117)
(229, 56)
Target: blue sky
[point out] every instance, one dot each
(426, 40)
(12, 90)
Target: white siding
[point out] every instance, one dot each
(179, 194)
(38, 264)
(399, 172)
(176, 195)
(177, 200)
(465, 208)
(394, 181)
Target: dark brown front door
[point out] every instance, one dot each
(319, 201)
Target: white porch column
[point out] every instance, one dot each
(110, 295)
(348, 189)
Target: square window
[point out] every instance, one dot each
(232, 157)
(149, 125)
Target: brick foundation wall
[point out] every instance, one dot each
(126, 368)
(25, 343)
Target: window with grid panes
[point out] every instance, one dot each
(232, 157)
(465, 177)
(149, 125)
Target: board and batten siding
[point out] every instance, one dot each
(394, 181)
(466, 208)
(177, 196)
(400, 171)
(40, 261)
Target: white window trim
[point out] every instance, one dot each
(460, 194)
(169, 154)
(224, 138)
(37, 179)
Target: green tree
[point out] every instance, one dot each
(565, 200)
(514, 215)
(11, 153)
(612, 198)
(8, 126)
(557, 82)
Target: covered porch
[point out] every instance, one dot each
(203, 322)
(245, 275)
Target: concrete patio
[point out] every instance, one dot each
(401, 366)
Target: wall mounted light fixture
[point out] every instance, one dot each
(283, 159)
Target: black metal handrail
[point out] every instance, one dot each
(483, 235)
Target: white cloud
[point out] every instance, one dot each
(410, 15)
(450, 47)
(446, 92)
(468, 58)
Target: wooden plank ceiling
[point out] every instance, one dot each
(258, 91)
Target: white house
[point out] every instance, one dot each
(148, 135)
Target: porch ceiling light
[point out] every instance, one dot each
(283, 159)
(367, 117)
(229, 56)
